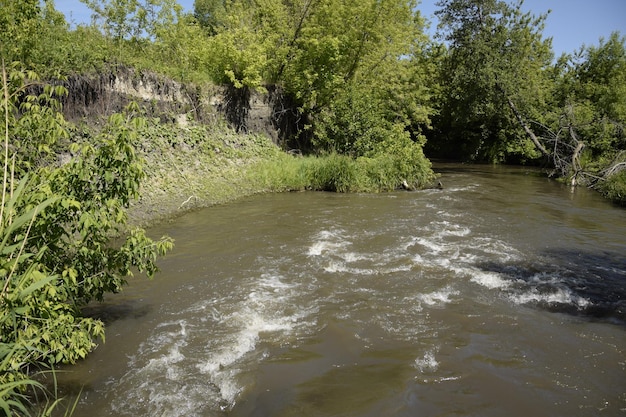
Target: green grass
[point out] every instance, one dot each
(200, 166)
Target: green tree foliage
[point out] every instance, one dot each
(494, 67)
(585, 128)
(210, 14)
(56, 225)
(134, 19)
(22, 24)
(593, 86)
(504, 101)
(337, 42)
(238, 52)
(349, 66)
(180, 51)
(35, 34)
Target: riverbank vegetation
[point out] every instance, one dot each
(57, 222)
(505, 98)
(358, 95)
(349, 77)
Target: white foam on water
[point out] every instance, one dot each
(443, 229)
(492, 246)
(266, 313)
(173, 356)
(333, 267)
(415, 303)
(417, 259)
(439, 298)
(161, 382)
(317, 248)
(174, 373)
(447, 214)
(391, 270)
(491, 280)
(327, 241)
(341, 267)
(559, 296)
(406, 243)
(448, 378)
(460, 232)
(469, 187)
(545, 278)
(430, 244)
(353, 257)
(274, 283)
(220, 366)
(427, 363)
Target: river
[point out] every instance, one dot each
(504, 293)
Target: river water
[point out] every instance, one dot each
(502, 294)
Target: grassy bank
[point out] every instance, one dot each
(195, 166)
(199, 166)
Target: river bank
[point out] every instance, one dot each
(194, 167)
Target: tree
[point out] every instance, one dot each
(597, 78)
(494, 73)
(22, 24)
(210, 14)
(134, 19)
(586, 128)
(348, 65)
(337, 41)
(183, 46)
(238, 52)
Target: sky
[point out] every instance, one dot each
(571, 23)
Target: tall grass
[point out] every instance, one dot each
(337, 173)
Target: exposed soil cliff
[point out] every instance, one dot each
(96, 96)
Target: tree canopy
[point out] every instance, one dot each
(497, 58)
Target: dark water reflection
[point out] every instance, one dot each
(502, 294)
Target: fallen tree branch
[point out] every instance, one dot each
(527, 129)
(614, 169)
(575, 165)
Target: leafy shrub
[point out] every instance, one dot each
(614, 188)
(56, 225)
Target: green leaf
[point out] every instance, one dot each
(41, 280)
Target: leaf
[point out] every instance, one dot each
(21, 310)
(41, 280)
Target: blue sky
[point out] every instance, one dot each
(571, 23)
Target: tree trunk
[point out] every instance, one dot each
(576, 163)
(527, 129)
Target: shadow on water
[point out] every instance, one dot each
(586, 284)
(488, 169)
(111, 312)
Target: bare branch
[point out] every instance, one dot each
(527, 129)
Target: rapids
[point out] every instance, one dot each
(502, 294)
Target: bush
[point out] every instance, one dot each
(342, 173)
(614, 188)
(56, 225)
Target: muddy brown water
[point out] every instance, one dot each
(502, 294)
